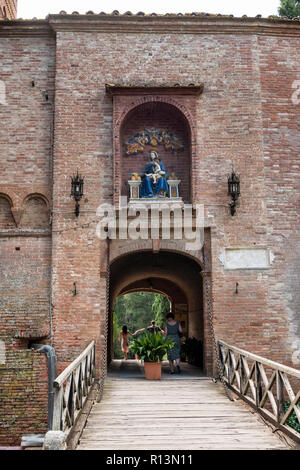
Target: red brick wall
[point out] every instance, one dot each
(281, 143)
(8, 8)
(25, 169)
(230, 130)
(244, 117)
(26, 117)
(23, 396)
(25, 287)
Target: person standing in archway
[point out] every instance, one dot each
(123, 336)
(173, 330)
(153, 328)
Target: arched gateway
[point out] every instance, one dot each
(173, 273)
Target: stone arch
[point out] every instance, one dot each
(131, 270)
(179, 164)
(6, 215)
(36, 211)
(119, 250)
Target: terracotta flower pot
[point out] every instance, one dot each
(137, 357)
(152, 370)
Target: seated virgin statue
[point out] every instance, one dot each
(154, 183)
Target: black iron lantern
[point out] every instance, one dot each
(233, 190)
(77, 191)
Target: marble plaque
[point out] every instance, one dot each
(246, 258)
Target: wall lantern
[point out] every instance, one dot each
(233, 190)
(77, 191)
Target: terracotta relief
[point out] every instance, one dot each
(153, 137)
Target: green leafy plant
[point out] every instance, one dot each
(151, 347)
(289, 8)
(292, 420)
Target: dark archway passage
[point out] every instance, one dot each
(172, 274)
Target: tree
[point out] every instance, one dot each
(136, 310)
(289, 8)
(160, 306)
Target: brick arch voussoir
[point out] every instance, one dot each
(7, 198)
(158, 99)
(139, 246)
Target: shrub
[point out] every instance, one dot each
(292, 420)
(151, 347)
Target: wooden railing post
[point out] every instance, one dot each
(221, 358)
(230, 368)
(258, 387)
(242, 375)
(72, 387)
(57, 409)
(260, 379)
(280, 396)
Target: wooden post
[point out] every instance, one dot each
(57, 409)
(230, 368)
(258, 387)
(242, 375)
(280, 396)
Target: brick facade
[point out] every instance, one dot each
(59, 117)
(23, 396)
(8, 9)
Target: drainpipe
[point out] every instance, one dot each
(52, 374)
(52, 180)
(52, 128)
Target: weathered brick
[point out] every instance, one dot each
(245, 117)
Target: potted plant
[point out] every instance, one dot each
(151, 348)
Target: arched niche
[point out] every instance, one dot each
(160, 116)
(6, 216)
(36, 212)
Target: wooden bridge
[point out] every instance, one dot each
(170, 415)
(180, 412)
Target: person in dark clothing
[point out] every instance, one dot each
(151, 328)
(173, 330)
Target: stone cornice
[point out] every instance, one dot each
(25, 233)
(185, 24)
(177, 89)
(25, 28)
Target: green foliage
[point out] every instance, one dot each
(160, 306)
(116, 330)
(292, 420)
(289, 8)
(136, 310)
(151, 347)
(117, 327)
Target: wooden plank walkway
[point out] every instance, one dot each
(193, 414)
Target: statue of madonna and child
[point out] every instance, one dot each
(154, 182)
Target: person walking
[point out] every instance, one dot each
(173, 330)
(123, 336)
(153, 328)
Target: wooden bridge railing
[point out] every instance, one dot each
(263, 384)
(72, 388)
